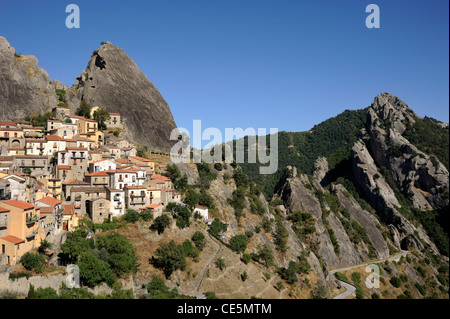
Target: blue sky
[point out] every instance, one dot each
(245, 63)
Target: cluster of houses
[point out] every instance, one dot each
(52, 177)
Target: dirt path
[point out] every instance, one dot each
(210, 262)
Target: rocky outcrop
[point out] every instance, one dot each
(419, 177)
(25, 88)
(320, 170)
(113, 81)
(383, 199)
(367, 220)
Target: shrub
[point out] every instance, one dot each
(32, 261)
(94, 271)
(359, 292)
(161, 223)
(396, 282)
(170, 258)
(199, 240)
(131, 216)
(341, 276)
(217, 227)
(356, 277)
(220, 263)
(239, 243)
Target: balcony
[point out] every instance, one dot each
(137, 195)
(117, 199)
(100, 183)
(32, 220)
(32, 234)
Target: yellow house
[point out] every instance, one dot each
(21, 230)
(97, 137)
(87, 126)
(53, 184)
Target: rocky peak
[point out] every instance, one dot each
(390, 108)
(25, 88)
(113, 81)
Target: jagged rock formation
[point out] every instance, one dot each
(113, 81)
(387, 118)
(25, 88)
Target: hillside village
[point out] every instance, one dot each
(52, 177)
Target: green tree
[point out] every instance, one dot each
(75, 244)
(161, 223)
(199, 240)
(157, 289)
(281, 236)
(101, 116)
(217, 227)
(32, 261)
(191, 198)
(94, 271)
(131, 216)
(84, 109)
(170, 258)
(265, 254)
(239, 243)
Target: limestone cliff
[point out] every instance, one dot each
(25, 88)
(113, 81)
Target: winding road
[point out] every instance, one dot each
(349, 288)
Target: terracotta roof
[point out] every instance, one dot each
(164, 178)
(50, 201)
(201, 207)
(122, 161)
(97, 161)
(35, 140)
(4, 210)
(53, 138)
(114, 113)
(153, 189)
(75, 182)
(13, 239)
(46, 210)
(10, 123)
(63, 166)
(68, 209)
(16, 149)
(18, 203)
(99, 173)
